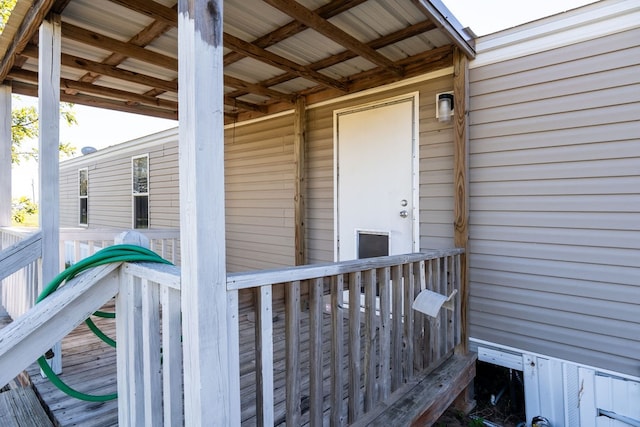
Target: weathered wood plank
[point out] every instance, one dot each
(152, 352)
(299, 153)
(315, 351)
(337, 351)
(461, 181)
(172, 350)
(20, 254)
(264, 355)
(292, 332)
(423, 399)
(5, 156)
(202, 213)
(398, 309)
(370, 339)
(354, 409)
(384, 382)
(21, 407)
(31, 335)
(306, 272)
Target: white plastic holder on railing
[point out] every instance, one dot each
(430, 303)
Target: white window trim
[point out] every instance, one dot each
(80, 197)
(134, 195)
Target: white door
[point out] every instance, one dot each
(376, 200)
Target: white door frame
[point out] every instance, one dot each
(414, 98)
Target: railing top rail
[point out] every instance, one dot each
(259, 278)
(31, 334)
(18, 231)
(164, 274)
(20, 254)
(110, 233)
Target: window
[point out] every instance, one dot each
(83, 196)
(140, 190)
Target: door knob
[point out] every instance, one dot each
(404, 214)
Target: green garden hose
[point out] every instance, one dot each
(117, 253)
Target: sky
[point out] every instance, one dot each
(102, 128)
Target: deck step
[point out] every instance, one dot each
(423, 400)
(20, 407)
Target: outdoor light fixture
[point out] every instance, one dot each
(444, 107)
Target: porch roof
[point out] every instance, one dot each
(122, 54)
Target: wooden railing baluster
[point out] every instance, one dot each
(355, 280)
(337, 351)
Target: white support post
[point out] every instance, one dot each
(48, 147)
(208, 396)
(5, 156)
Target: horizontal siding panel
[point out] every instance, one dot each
(563, 288)
(557, 138)
(556, 88)
(538, 312)
(576, 153)
(586, 220)
(559, 69)
(563, 120)
(560, 104)
(602, 314)
(608, 257)
(578, 203)
(560, 236)
(561, 269)
(583, 186)
(567, 53)
(590, 169)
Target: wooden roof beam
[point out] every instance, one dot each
(27, 30)
(26, 89)
(100, 41)
(243, 105)
(326, 11)
(394, 37)
(326, 28)
(257, 89)
(278, 61)
(108, 70)
(71, 87)
(151, 9)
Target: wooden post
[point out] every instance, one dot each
(207, 356)
(465, 401)
(5, 156)
(48, 148)
(299, 149)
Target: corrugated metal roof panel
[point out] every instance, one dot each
(306, 47)
(137, 66)
(105, 18)
(249, 20)
(166, 44)
(252, 70)
(81, 50)
(295, 85)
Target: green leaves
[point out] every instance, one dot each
(24, 127)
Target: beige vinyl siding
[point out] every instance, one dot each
(555, 201)
(259, 183)
(435, 163)
(259, 189)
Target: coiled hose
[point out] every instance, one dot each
(116, 253)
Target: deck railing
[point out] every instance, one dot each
(343, 335)
(312, 342)
(21, 288)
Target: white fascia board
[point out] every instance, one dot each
(586, 23)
